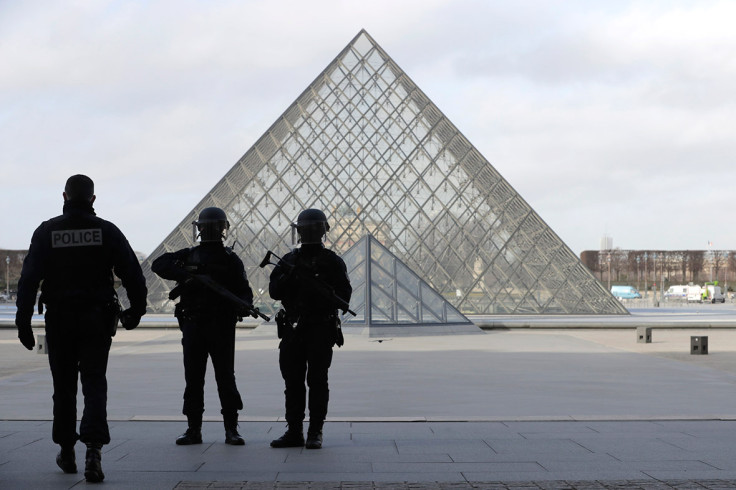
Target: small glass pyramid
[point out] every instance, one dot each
(387, 293)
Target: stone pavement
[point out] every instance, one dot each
(631, 454)
(552, 408)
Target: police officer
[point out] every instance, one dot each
(207, 320)
(306, 351)
(73, 258)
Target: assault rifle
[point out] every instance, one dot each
(319, 286)
(243, 306)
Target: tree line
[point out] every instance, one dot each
(11, 262)
(642, 268)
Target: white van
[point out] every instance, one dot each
(709, 293)
(676, 292)
(714, 294)
(694, 294)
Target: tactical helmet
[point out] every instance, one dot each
(212, 224)
(311, 225)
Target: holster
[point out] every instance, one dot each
(284, 325)
(113, 309)
(181, 311)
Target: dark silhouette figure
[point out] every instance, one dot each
(73, 257)
(207, 320)
(309, 327)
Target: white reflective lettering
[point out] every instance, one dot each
(76, 238)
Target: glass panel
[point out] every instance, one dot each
(357, 304)
(408, 311)
(432, 306)
(381, 307)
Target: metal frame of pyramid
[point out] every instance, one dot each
(367, 146)
(387, 293)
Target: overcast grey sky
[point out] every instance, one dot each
(610, 117)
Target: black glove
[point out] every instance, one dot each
(130, 319)
(25, 334)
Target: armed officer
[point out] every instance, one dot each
(207, 320)
(73, 258)
(305, 352)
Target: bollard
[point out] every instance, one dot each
(699, 345)
(41, 344)
(644, 335)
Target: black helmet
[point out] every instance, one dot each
(212, 224)
(312, 225)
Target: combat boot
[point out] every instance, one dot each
(231, 430)
(93, 464)
(193, 435)
(314, 440)
(232, 437)
(67, 459)
(314, 435)
(293, 437)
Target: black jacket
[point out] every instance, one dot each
(214, 260)
(73, 257)
(298, 297)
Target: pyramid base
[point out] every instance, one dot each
(378, 331)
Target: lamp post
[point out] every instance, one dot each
(725, 279)
(646, 273)
(609, 271)
(654, 291)
(638, 275)
(7, 276)
(661, 282)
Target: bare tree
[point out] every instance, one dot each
(671, 264)
(591, 259)
(618, 262)
(657, 260)
(11, 269)
(730, 263)
(719, 260)
(635, 263)
(696, 259)
(683, 260)
(631, 260)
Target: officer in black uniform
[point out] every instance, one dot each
(207, 320)
(73, 258)
(306, 351)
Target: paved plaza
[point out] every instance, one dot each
(503, 408)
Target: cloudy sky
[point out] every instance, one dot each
(608, 117)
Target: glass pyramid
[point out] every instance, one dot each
(387, 293)
(367, 146)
